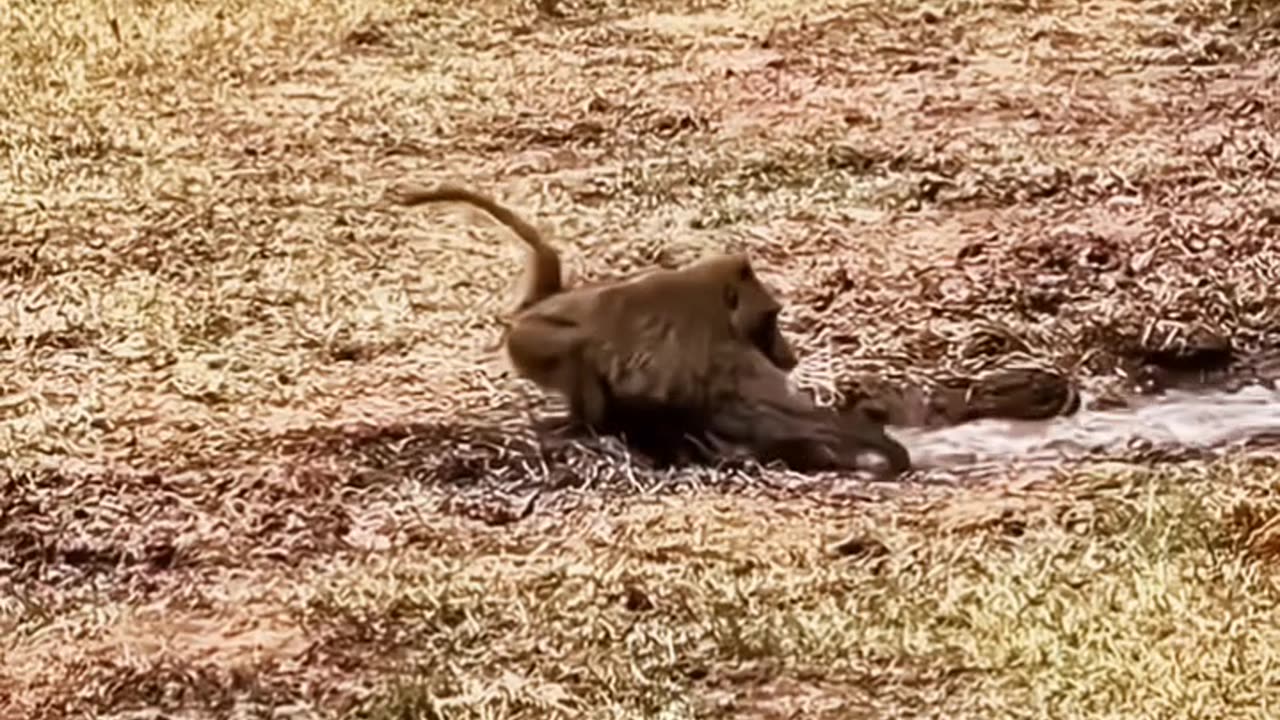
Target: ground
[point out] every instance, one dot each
(260, 458)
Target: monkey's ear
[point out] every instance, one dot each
(731, 296)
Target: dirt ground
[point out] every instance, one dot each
(260, 458)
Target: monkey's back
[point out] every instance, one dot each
(653, 335)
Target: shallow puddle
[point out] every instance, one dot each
(1176, 419)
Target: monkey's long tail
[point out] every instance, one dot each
(544, 277)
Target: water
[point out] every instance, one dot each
(1177, 418)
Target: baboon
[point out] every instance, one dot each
(668, 353)
(638, 338)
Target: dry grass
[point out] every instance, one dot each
(256, 454)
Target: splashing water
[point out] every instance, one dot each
(1178, 418)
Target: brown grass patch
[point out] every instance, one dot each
(223, 361)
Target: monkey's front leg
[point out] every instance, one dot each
(861, 431)
(766, 415)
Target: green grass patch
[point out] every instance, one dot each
(1133, 594)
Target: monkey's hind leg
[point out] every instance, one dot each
(554, 356)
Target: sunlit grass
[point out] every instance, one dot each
(1130, 595)
(201, 295)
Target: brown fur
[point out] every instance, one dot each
(759, 410)
(645, 337)
(669, 352)
(648, 339)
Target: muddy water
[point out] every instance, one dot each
(1175, 419)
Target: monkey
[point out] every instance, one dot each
(659, 374)
(692, 351)
(647, 338)
(622, 337)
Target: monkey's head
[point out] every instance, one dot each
(753, 310)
